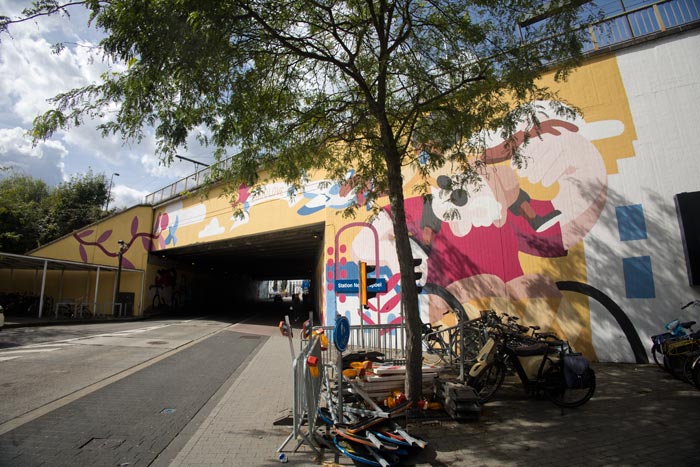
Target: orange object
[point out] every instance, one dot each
(306, 329)
(399, 396)
(312, 364)
(434, 406)
(285, 330)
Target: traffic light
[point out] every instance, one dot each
(417, 273)
(366, 281)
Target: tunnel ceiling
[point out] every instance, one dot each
(289, 253)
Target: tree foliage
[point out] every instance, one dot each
(297, 85)
(33, 214)
(21, 212)
(73, 205)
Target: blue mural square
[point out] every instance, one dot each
(639, 279)
(631, 223)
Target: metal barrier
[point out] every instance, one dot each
(388, 339)
(307, 381)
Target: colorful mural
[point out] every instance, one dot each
(582, 239)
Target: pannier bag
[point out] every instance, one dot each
(576, 371)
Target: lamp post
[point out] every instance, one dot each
(122, 249)
(109, 192)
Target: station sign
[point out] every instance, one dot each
(347, 286)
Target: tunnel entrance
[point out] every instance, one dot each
(233, 278)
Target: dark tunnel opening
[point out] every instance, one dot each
(258, 277)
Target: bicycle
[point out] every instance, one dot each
(545, 365)
(675, 329)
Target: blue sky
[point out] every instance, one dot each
(30, 73)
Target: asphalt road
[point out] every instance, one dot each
(109, 396)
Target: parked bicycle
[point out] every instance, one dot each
(674, 329)
(459, 343)
(678, 349)
(544, 364)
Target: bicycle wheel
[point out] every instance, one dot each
(435, 346)
(488, 381)
(686, 370)
(473, 342)
(556, 390)
(695, 372)
(657, 354)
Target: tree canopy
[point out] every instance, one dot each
(375, 85)
(33, 214)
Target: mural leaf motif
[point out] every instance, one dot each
(85, 233)
(104, 236)
(146, 243)
(390, 304)
(134, 226)
(83, 253)
(127, 264)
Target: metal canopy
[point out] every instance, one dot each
(13, 261)
(23, 262)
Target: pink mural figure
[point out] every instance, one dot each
(475, 255)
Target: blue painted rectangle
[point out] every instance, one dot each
(347, 286)
(639, 278)
(631, 223)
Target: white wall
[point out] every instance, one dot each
(662, 81)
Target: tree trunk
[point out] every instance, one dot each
(409, 293)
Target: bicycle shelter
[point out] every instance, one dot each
(23, 274)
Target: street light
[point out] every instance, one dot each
(109, 192)
(122, 249)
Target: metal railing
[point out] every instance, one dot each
(641, 22)
(388, 339)
(77, 309)
(187, 184)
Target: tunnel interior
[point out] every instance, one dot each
(231, 278)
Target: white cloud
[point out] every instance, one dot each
(124, 196)
(30, 74)
(44, 161)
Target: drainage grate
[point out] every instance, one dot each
(156, 342)
(249, 337)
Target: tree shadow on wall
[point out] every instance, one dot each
(634, 275)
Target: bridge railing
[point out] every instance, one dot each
(641, 22)
(186, 184)
(616, 29)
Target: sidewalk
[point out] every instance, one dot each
(638, 416)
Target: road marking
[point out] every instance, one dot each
(13, 352)
(44, 409)
(4, 359)
(55, 345)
